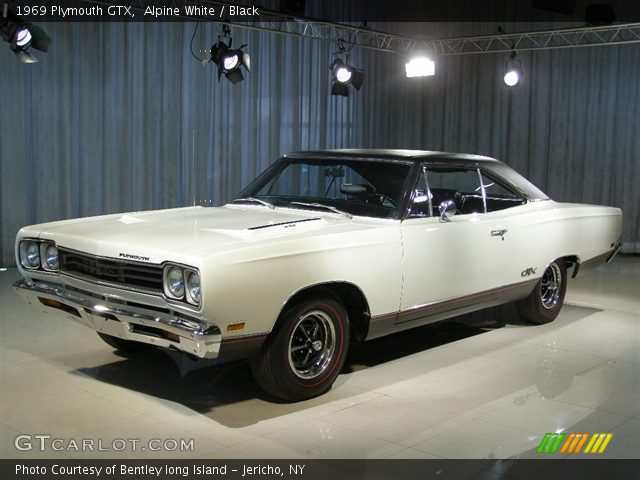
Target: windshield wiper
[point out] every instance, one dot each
(320, 205)
(255, 200)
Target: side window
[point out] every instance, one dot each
(460, 185)
(498, 196)
(420, 198)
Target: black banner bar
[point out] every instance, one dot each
(564, 469)
(354, 11)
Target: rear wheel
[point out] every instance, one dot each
(124, 345)
(305, 352)
(545, 301)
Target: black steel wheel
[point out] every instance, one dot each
(305, 352)
(545, 301)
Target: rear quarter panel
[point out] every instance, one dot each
(541, 232)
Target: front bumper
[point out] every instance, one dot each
(122, 320)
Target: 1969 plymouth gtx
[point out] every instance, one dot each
(321, 248)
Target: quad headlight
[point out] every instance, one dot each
(182, 283)
(30, 254)
(39, 255)
(49, 257)
(174, 282)
(193, 287)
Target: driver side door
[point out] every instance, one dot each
(448, 260)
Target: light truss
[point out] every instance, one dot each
(567, 38)
(363, 37)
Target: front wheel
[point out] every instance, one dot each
(305, 352)
(545, 301)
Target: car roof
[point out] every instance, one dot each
(497, 167)
(394, 154)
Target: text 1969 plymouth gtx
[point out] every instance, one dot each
(321, 248)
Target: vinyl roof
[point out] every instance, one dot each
(396, 154)
(512, 177)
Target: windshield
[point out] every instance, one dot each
(357, 187)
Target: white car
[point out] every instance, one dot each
(321, 248)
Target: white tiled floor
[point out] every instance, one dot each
(480, 386)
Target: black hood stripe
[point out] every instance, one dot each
(284, 223)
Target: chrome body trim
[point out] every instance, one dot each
(385, 324)
(483, 188)
(136, 323)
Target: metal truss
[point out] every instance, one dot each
(568, 38)
(363, 37)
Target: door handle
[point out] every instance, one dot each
(498, 233)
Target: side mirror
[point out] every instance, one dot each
(447, 210)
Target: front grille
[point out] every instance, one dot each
(133, 275)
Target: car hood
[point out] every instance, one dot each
(175, 234)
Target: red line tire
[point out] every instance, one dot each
(545, 301)
(305, 352)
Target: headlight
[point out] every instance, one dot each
(182, 283)
(50, 258)
(193, 287)
(174, 282)
(30, 254)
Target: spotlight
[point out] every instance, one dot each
(20, 44)
(22, 36)
(343, 76)
(420, 67)
(512, 76)
(229, 60)
(512, 72)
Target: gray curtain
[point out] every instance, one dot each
(571, 126)
(121, 117)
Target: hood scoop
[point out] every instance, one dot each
(283, 224)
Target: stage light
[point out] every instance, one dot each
(22, 36)
(229, 60)
(512, 77)
(512, 72)
(420, 67)
(343, 76)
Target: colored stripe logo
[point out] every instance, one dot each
(551, 442)
(574, 443)
(598, 443)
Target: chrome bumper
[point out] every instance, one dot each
(124, 321)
